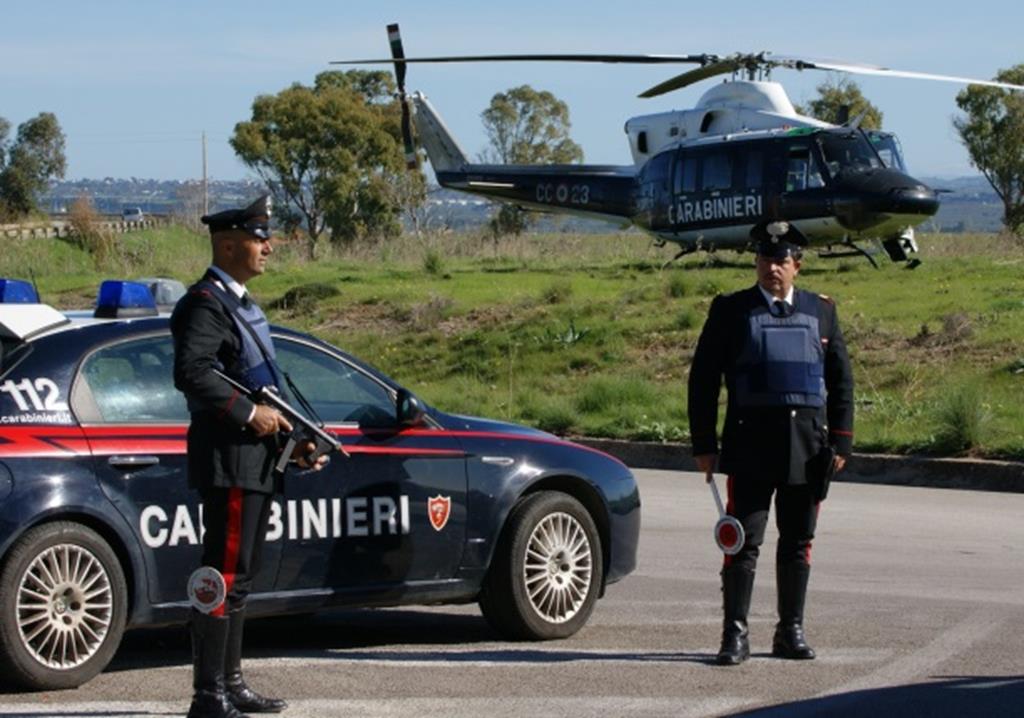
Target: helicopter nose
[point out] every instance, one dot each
(873, 200)
(919, 200)
(893, 192)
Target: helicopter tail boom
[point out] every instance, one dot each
(589, 190)
(596, 191)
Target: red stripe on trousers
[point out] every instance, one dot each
(232, 543)
(807, 551)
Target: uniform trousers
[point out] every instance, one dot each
(235, 529)
(796, 516)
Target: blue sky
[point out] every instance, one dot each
(134, 84)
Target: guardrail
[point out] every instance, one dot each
(63, 228)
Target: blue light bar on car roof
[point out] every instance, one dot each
(121, 299)
(17, 291)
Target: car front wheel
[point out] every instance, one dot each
(63, 607)
(547, 569)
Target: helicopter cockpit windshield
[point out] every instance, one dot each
(848, 152)
(888, 147)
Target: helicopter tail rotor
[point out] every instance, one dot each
(398, 57)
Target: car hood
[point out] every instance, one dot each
(475, 423)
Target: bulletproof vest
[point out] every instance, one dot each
(782, 362)
(257, 361)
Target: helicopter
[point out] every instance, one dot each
(741, 166)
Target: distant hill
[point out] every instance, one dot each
(110, 195)
(970, 205)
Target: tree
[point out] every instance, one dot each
(525, 126)
(27, 164)
(839, 100)
(330, 153)
(993, 133)
(5, 127)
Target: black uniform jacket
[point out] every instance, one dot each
(222, 451)
(773, 443)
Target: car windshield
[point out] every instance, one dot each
(12, 350)
(847, 152)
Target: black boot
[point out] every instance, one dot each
(242, 696)
(209, 640)
(737, 585)
(789, 641)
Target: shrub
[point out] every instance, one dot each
(559, 338)
(427, 315)
(602, 394)
(88, 233)
(557, 418)
(686, 320)
(432, 262)
(304, 298)
(660, 431)
(557, 292)
(962, 419)
(709, 288)
(677, 286)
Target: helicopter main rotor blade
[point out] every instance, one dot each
(719, 67)
(857, 68)
(545, 57)
(398, 54)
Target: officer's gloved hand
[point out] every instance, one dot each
(306, 455)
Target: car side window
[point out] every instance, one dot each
(338, 392)
(130, 383)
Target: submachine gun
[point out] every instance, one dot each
(303, 429)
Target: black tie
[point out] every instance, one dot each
(779, 308)
(245, 301)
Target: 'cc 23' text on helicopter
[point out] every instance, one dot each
(740, 166)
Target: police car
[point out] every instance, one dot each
(99, 531)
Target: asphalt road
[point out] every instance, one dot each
(916, 608)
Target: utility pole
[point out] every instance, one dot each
(206, 192)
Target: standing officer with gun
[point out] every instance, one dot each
(233, 447)
(788, 427)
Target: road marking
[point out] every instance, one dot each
(976, 627)
(416, 707)
(485, 657)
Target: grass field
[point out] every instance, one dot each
(592, 335)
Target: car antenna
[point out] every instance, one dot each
(32, 276)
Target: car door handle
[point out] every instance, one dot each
(132, 461)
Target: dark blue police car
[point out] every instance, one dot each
(99, 531)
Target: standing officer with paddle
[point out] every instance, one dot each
(788, 428)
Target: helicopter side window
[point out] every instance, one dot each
(656, 171)
(686, 174)
(802, 170)
(717, 172)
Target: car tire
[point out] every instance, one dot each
(63, 608)
(547, 570)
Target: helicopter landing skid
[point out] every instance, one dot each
(682, 253)
(854, 251)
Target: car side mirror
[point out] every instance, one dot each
(408, 409)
